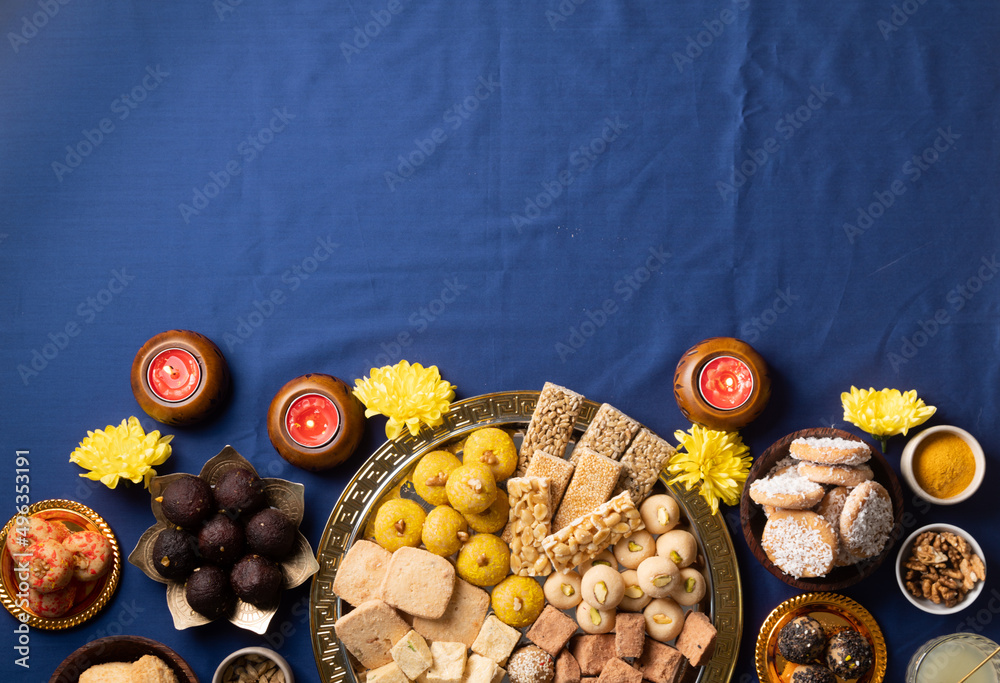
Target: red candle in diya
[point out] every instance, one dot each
(180, 377)
(726, 382)
(722, 383)
(315, 422)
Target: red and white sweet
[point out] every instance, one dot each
(50, 566)
(91, 555)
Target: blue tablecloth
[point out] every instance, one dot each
(570, 190)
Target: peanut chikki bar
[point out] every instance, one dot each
(642, 464)
(530, 514)
(609, 433)
(593, 482)
(587, 536)
(558, 471)
(551, 425)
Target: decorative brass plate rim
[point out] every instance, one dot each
(509, 409)
(9, 597)
(833, 603)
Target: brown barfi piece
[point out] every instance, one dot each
(588, 679)
(609, 433)
(361, 572)
(567, 668)
(630, 634)
(697, 639)
(369, 631)
(593, 482)
(619, 671)
(462, 619)
(642, 464)
(593, 652)
(551, 630)
(551, 425)
(660, 663)
(557, 470)
(419, 583)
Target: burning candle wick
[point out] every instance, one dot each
(310, 423)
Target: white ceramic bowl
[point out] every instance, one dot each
(906, 464)
(927, 605)
(263, 652)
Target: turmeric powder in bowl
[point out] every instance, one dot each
(944, 465)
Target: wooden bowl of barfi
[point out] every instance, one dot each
(791, 543)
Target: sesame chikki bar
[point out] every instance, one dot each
(587, 536)
(593, 482)
(609, 433)
(551, 424)
(557, 470)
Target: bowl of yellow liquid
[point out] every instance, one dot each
(948, 658)
(943, 465)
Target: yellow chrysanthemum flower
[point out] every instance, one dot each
(409, 395)
(122, 452)
(884, 413)
(716, 462)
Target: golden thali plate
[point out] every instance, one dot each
(382, 475)
(91, 597)
(831, 610)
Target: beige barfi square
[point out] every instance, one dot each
(462, 619)
(592, 484)
(496, 640)
(361, 573)
(419, 583)
(390, 673)
(369, 631)
(479, 669)
(449, 663)
(412, 654)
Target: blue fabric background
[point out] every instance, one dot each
(480, 181)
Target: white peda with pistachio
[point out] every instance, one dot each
(636, 598)
(563, 590)
(660, 513)
(602, 587)
(658, 577)
(692, 587)
(678, 545)
(664, 619)
(631, 551)
(595, 621)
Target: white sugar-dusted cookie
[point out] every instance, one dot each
(830, 451)
(867, 519)
(800, 543)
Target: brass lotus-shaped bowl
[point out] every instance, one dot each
(286, 496)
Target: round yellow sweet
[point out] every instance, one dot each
(484, 560)
(518, 601)
(494, 448)
(444, 531)
(471, 488)
(399, 523)
(431, 475)
(493, 519)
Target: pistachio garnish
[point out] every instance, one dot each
(675, 556)
(634, 547)
(689, 584)
(634, 592)
(601, 591)
(567, 590)
(661, 580)
(595, 616)
(662, 619)
(662, 516)
(603, 563)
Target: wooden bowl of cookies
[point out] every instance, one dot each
(809, 489)
(121, 650)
